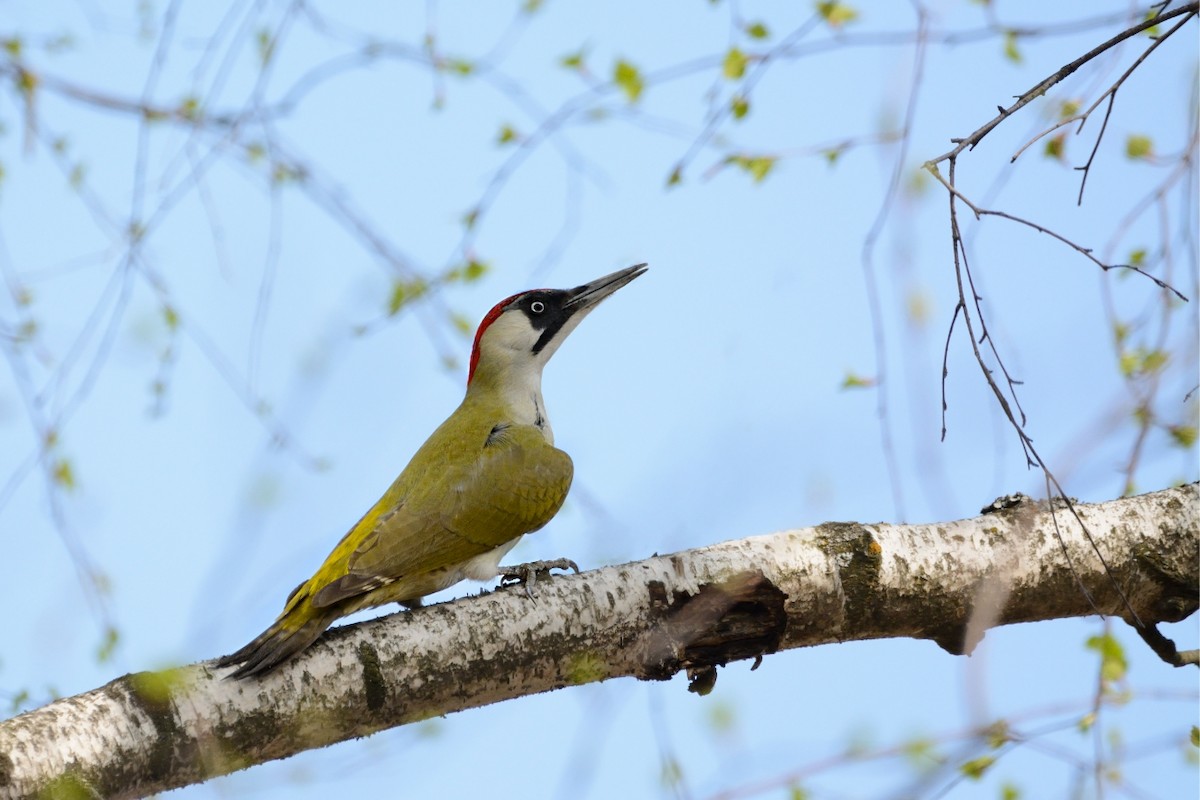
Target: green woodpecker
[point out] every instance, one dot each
(486, 477)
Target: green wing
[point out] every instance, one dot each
(514, 483)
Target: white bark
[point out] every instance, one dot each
(692, 610)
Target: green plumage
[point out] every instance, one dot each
(487, 476)
(479, 482)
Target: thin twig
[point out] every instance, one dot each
(1031, 454)
(1045, 84)
(870, 277)
(1085, 251)
(1087, 167)
(945, 364)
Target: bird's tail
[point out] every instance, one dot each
(298, 626)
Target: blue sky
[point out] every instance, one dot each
(702, 403)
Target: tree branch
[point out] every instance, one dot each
(1065, 71)
(691, 611)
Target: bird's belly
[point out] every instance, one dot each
(409, 591)
(483, 567)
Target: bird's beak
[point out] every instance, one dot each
(585, 297)
(578, 303)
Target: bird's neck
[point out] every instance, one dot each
(516, 393)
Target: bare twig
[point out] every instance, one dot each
(1031, 454)
(945, 363)
(1109, 95)
(1045, 84)
(1087, 252)
(868, 266)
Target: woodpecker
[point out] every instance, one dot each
(486, 477)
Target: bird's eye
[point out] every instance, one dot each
(537, 306)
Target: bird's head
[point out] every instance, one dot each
(521, 332)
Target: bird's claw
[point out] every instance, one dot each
(527, 574)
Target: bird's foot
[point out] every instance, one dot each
(527, 574)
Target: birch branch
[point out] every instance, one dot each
(690, 611)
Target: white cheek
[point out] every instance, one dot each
(511, 332)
